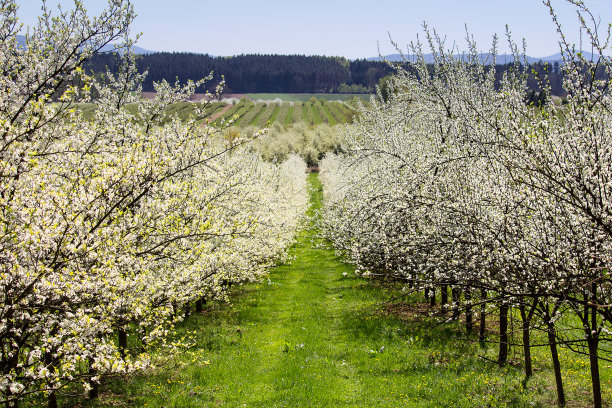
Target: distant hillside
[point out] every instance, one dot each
(21, 40)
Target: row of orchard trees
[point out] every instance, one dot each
(110, 229)
(457, 182)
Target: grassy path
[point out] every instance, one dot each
(311, 337)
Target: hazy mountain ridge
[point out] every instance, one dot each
(21, 40)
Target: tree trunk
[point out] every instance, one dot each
(483, 316)
(143, 342)
(52, 399)
(552, 341)
(11, 404)
(526, 341)
(503, 334)
(456, 293)
(174, 309)
(444, 294)
(198, 306)
(93, 392)
(592, 336)
(469, 315)
(594, 362)
(432, 297)
(122, 335)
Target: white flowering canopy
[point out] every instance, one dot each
(112, 226)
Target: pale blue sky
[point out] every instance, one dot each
(349, 28)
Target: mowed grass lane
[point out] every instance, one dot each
(311, 337)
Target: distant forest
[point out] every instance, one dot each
(280, 73)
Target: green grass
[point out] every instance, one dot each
(310, 336)
(285, 114)
(306, 114)
(251, 114)
(296, 113)
(269, 115)
(255, 119)
(305, 97)
(346, 110)
(327, 114)
(314, 114)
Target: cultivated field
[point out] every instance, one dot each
(304, 97)
(259, 113)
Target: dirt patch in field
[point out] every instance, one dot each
(148, 95)
(219, 114)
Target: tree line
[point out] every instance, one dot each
(254, 73)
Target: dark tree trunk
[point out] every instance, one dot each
(483, 316)
(143, 342)
(122, 335)
(469, 315)
(592, 336)
(456, 293)
(594, 362)
(174, 309)
(552, 341)
(503, 334)
(198, 306)
(444, 294)
(526, 341)
(187, 310)
(11, 404)
(93, 392)
(52, 399)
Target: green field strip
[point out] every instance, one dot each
(305, 113)
(255, 119)
(334, 116)
(269, 115)
(245, 116)
(282, 113)
(325, 115)
(288, 119)
(347, 111)
(298, 113)
(336, 110)
(314, 114)
(253, 111)
(243, 110)
(87, 110)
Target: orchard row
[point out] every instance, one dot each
(459, 183)
(114, 226)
